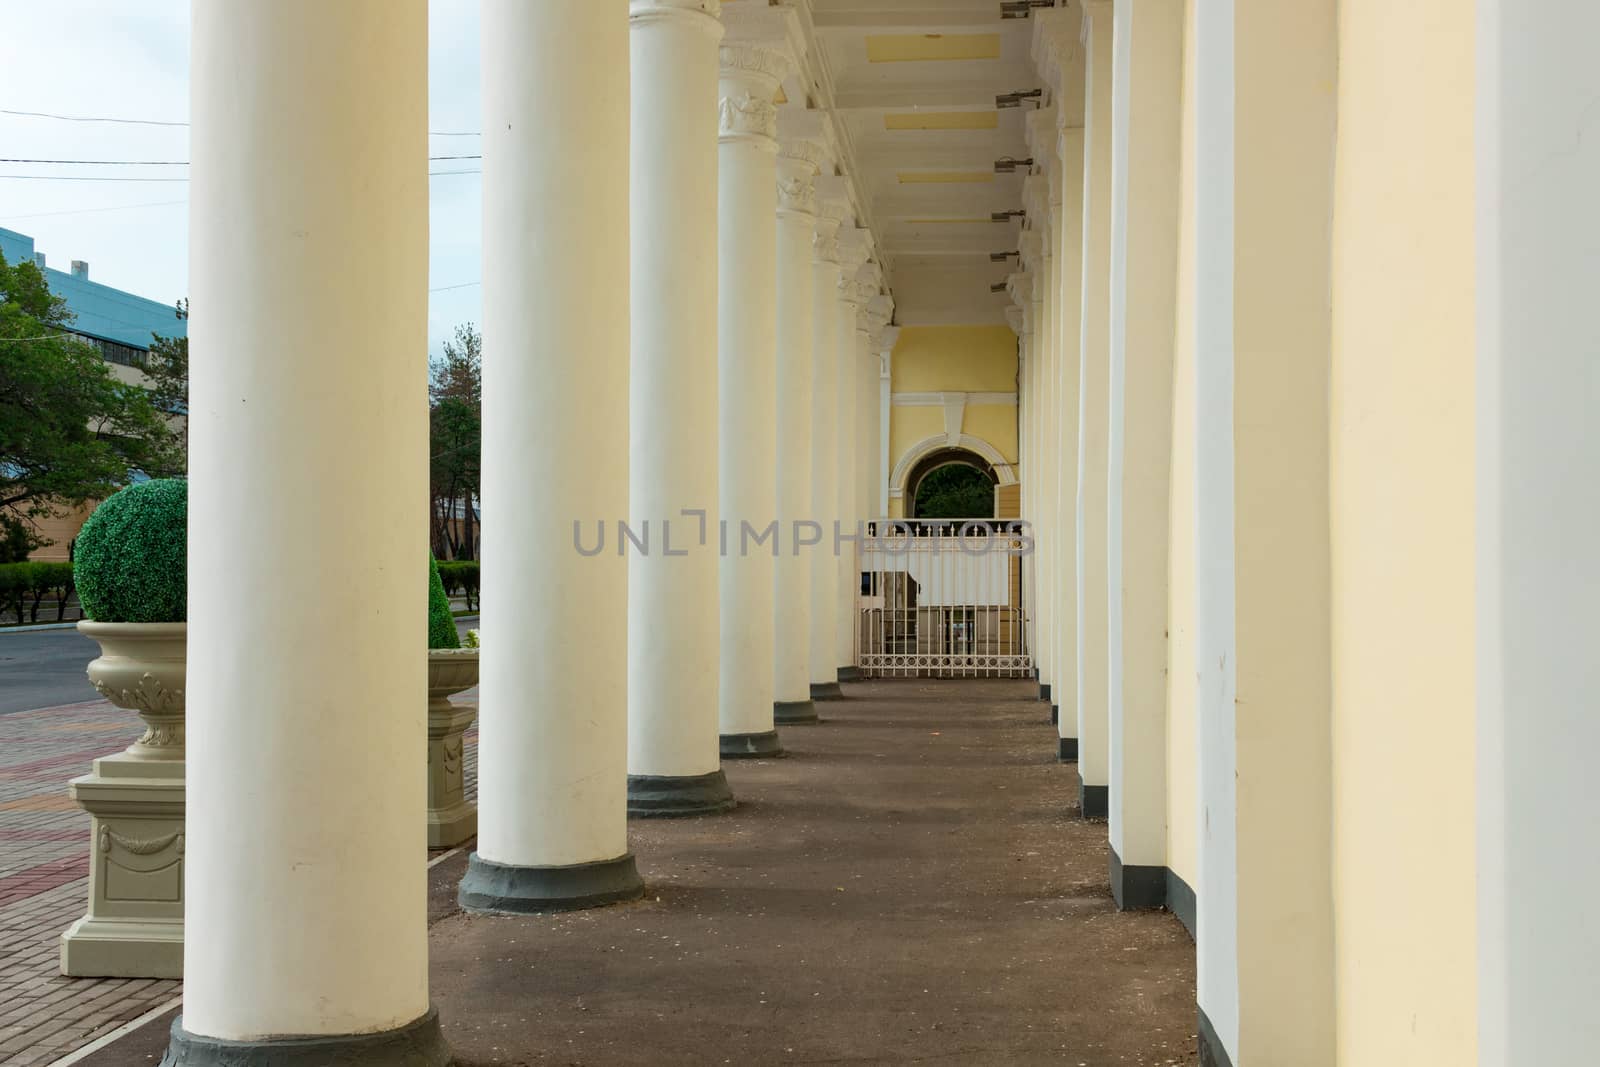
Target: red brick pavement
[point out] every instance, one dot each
(44, 863)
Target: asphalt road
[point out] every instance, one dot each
(43, 668)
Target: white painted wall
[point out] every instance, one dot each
(1538, 507)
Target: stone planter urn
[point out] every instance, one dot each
(134, 925)
(451, 820)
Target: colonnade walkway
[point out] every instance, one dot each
(913, 883)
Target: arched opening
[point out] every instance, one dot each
(951, 483)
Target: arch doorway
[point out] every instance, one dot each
(951, 483)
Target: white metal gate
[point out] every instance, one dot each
(943, 598)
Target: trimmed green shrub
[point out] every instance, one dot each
(131, 555)
(460, 576)
(441, 624)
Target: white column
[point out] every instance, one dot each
(1069, 296)
(824, 460)
(885, 371)
(747, 393)
(1147, 111)
(552, 822)
(1032, 243)
(305, 845)
(797, 168)
(796, 314)
(1538, 509)
(673, 633)
(1094, 406)
(851, 303)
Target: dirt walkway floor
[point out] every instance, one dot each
(913, 883)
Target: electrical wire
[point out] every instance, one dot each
(159, 122)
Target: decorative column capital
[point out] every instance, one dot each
(1020, 288)
(1014, 319)
(706, 14)
(747, 83)
(1030, 243)
(825, 242)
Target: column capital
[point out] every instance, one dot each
(1039, 131)
(703, 14)
(855, 248)
(1055, 38)
(1030, 243)
(1020, 286)
(1035, 195)
(887, 339)
(825, 242)
(748, 75)
(797, 185)
(1096, 18)
(1014, 319)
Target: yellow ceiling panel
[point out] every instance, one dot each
(931, 47)
(945, 222)
(945, 177)
(942, 120)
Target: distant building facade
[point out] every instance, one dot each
(118, 323)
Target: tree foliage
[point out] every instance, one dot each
(955, 491)
(70, 429)
(455, 400)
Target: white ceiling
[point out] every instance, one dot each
(934, 254)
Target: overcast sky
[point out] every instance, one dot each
(130, 59)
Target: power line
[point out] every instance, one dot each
(446, 288)
(120, 207)
(156, 162)
(158, 122)
(99, 178)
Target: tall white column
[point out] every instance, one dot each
(1094, 390)
(1069, 297)
(824, 460)
(747, 395)
(1538, 508)
(853, 295)
(304, 851)
(796, 316)
(552, 816)
(673, 633)
(1146, 161)
(884, 371)
(1032, 244)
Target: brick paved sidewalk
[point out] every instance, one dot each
(44, 866)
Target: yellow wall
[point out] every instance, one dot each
(995, 423)
(954, 358)
(1402, 463)
(1182, 740)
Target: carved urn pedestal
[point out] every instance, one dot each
(451, 820)
(134, 925)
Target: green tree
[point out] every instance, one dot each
(166, 369)
(955, 491)
(455, 432)
(70, 430)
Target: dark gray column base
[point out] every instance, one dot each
(1181, 901)
(849, 674)
(826, 691)
(1095, 800)
(652, 796)
(1067, 749)
(498, 889)
(1044, 692)
(1137, 888)
(794, 712)
(1036, 674)
(1055, 714)
(420, 1044)
(751, 746)
(1212, 1054)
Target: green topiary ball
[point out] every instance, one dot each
(131, 560)
(441, 624)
